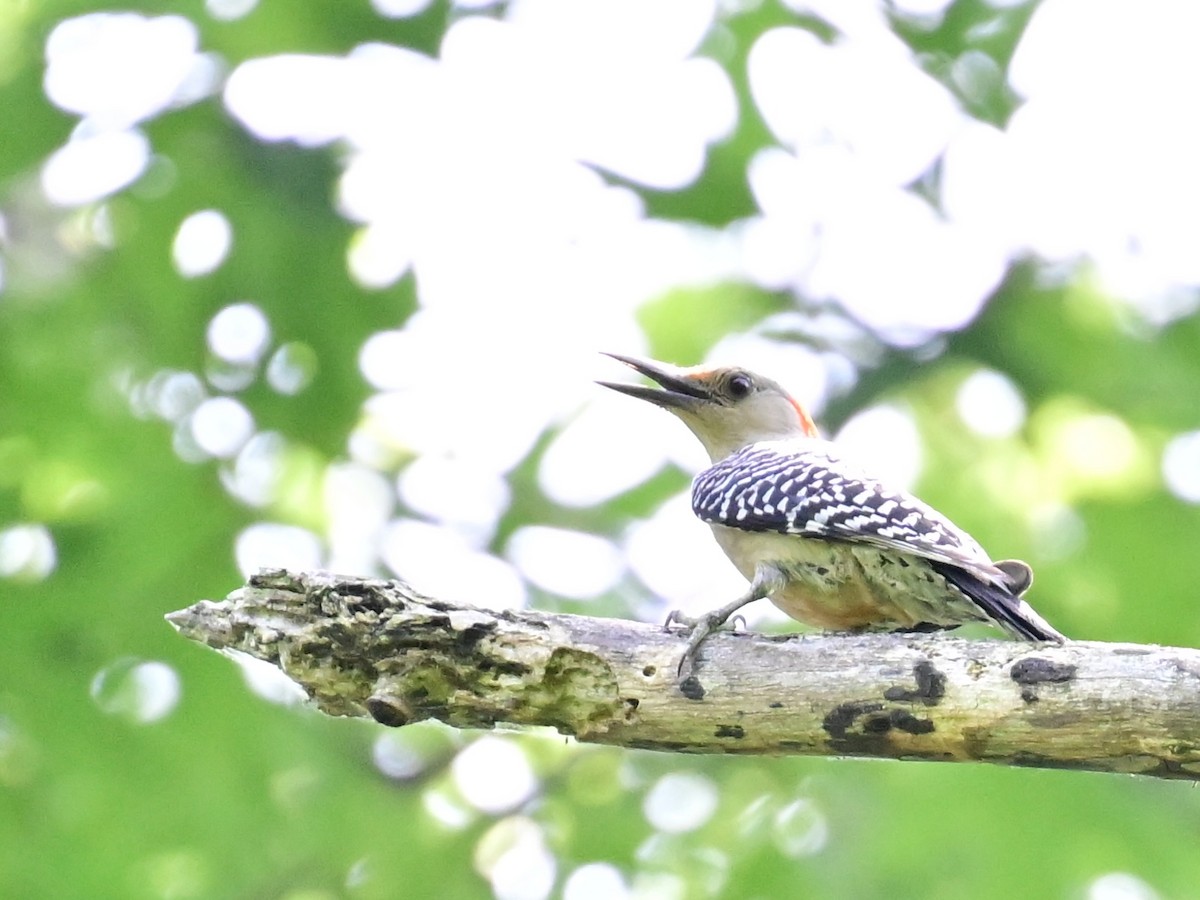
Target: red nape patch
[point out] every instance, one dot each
(806, 422)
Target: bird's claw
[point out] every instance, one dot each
(699, 628)
(675, 617)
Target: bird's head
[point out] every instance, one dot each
(725, 407)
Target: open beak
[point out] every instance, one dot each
(679, 391)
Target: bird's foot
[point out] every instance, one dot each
(767, 580)
(699, 628)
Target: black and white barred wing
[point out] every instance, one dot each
(802, 488)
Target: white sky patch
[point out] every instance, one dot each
(1181, 466)
(117, 69)
(202, 243)
(569, 563)
(455, 492)
(292, 367)
(707, 868)
(976, 76)
(873, 102)
(504, 393)
(990, 404)
(439, 561)
(87, 169)
(647, 119)
(824, 215)
(777, 251)
(304, 98)
(614, 444)
(475, 167)
(257, 469)
(392, 359)
(596, 881)
(376, 257)
(908, 287)
(229, 377)
(478, 148)
(680, 802)
(398, 756)
(27, 552)
(359, 502)
(921, 7)
(1100, 158)
(1157, 305)
(674, 555)
(493, 775)
(885, 442)
(513, 856)
(490, 429)
(140, 691)
(221, 425)
(183, 442)
(399, 9)
(239, 333)
(1120, 886)
(229, 10)
(444, 806)
(1098, 161)
(862, 20)
(270, 545)
(266, 680)
(800, 829)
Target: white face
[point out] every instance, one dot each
(764, 415)
(726, 408)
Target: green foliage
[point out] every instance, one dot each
(229, 795)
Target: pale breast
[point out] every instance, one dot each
(840, 586)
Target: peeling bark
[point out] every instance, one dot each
(367, 647)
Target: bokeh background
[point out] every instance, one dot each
(323, 284)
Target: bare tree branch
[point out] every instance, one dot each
(363, 647)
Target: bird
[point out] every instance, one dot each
(828, 543)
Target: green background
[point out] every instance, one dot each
(233, 796)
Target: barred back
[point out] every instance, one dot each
(803, 487)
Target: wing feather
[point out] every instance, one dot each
(803, 488)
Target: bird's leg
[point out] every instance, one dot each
(767, 580)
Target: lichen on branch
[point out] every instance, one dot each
(375, 648)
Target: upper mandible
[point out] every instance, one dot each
(726, 407)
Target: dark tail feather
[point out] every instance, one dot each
(1018, 573)
(1007, 610)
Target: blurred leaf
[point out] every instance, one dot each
(228, 794)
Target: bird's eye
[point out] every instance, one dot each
(740, 386)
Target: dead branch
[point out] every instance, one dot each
(366, 647)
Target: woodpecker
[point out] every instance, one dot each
(826, 542)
